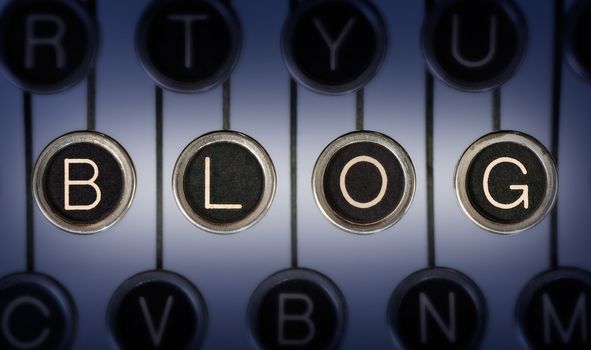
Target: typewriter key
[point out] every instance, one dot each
(576, 38)
(188, 46)
(35, 313)
(364, 182)
(224, 182)
(84, 182)
(334, 46)
(554, 310)
(474, 45)
(157, 310)
(297, 309)
(506, 182)
(437, 308)
(46, 46)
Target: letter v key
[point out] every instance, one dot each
(156, 334)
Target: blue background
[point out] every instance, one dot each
(367, 269)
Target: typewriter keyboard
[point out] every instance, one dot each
(284, 174)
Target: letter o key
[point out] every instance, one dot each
(364, 182)
(383, 187)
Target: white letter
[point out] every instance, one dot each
(343, 184)
(90, 182)
(188, 24)
(54, 41)
(305, 318)
(565, 334)
(208, 204)
(333, 46)
(156, 334)
(425, 305)
(19, 344)
(524, 188)
(455, 46)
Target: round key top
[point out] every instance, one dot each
(334, 46)
(506, 182)
(84, 182)
(364, 182)
(474, 45)
(157, 310)
(224, 182)
(46, 46)
(437, 308)
(36, 312)
(188, 46)
(554, 310)
(577, 37)
(297, 309)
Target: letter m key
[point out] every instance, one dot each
(565, 330)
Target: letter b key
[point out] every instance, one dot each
(297, 309)
(84, 182)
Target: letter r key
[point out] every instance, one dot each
(46, 47)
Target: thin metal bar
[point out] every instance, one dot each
(226, 105)
(293, 154)
(293, 136)
(429, 119)
(429, 87)
(91, 81)
(359, 109)
(30, 225)
(496, 109)
(556, 98)
(159, 193)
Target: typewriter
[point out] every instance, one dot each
(276, 174)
